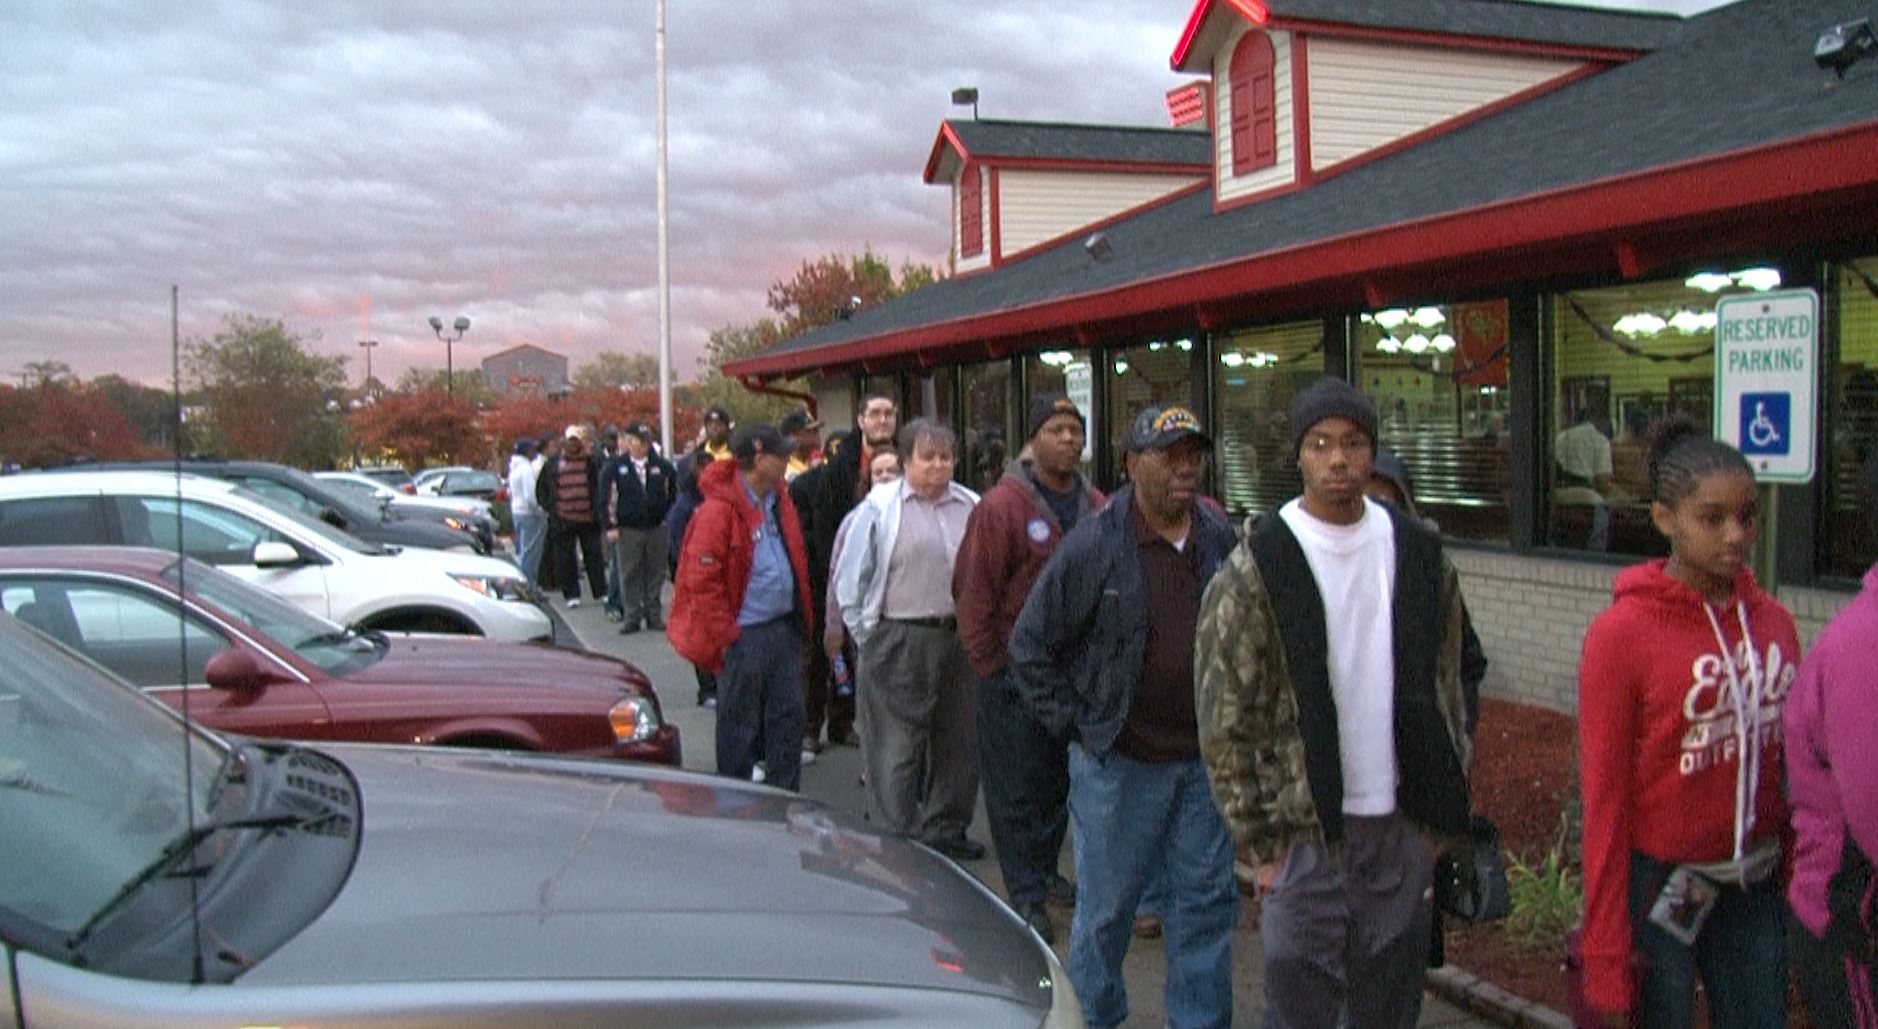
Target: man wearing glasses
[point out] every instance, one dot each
(1334, 728)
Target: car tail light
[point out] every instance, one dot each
(409, 488)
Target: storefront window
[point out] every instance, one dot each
(1848, 541)
(1620, 358)
(1256, 372)
(929, 397)
(1159, 371)
(987, 438)
(1070, 373)
(1438, 377)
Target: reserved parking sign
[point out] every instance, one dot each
(1766, 371)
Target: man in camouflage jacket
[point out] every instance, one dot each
(1334, 731)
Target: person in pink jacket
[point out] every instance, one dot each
(1832, 779)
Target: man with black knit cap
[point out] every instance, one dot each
(1025, 771)
(1334, 728)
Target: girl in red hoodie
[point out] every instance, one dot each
(1679, 699)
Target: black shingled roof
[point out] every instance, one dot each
(1046, 141)
(1734, 78)
(1492, 19)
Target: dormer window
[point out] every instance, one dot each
(1254, 105)
(971, 213)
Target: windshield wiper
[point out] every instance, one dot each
(177, 849)
(370, 636)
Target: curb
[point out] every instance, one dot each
(1480, 997)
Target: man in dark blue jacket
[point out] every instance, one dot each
(640, 488)
(1103, 655)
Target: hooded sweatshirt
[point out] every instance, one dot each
(1660, 746)
(1832, 754)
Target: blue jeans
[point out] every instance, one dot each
(1740, 954)
(531, 531)
(1132, 819)
(759, 704)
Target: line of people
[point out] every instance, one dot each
(1301, 690)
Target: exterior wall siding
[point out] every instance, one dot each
(982, 259)
(501, 371)
(1284, 173)
(1038, 206)
(1365, 95)
(1532, 613)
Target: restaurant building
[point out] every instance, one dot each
(1504, 221)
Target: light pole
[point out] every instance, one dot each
(368, 345)
(449, 367)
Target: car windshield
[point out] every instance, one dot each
(324, 643)
(312, 525)
(91, 781)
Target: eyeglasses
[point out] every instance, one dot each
(1319, 445)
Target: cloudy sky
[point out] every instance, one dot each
(355, 166)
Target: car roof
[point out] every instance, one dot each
(67, 481)
(140, 562)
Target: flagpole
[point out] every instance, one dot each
(665, 264)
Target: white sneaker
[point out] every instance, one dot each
(808, 758)
(759, 773)
(573, 603)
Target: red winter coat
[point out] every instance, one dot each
(714, 566)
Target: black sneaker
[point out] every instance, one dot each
(1038, 918)
(960, 848)
(628, 628)
(1060, 890)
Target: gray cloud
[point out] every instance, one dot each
(355, 167)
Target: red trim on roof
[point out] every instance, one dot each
(1301, 110)
(1194, 21)
(1722, 202)
(1421, 136)
(1451, 40)
(997, 220)
(946, 137)
(1077, 164)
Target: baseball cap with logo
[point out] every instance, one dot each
(751, 441)
(1159, 427)
(717, 414)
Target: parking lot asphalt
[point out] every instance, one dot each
(834, 779)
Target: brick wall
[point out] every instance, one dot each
(1531, 614)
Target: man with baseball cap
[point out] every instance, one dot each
(640, 486)
(1334, 726)
(568, 490)
(804, 430)
(1103, 656)
(740, 606)
(717, 432)
(1025, 770)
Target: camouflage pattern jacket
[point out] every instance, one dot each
(1268, 724)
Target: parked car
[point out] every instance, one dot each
(290, 554)
(466, 514)
(159, 872)
(468, 482)
(297, 489)
(390, 474)
(250, 662)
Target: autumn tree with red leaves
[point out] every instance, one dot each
(421, 429)
(61, 421)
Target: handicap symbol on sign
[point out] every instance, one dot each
(1766, 419)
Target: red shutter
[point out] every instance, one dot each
(971, 213)
(1254, 104)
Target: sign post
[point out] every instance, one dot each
(1766, 396)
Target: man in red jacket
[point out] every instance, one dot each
(740, 605)
(1025, 770)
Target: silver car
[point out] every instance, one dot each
(156, 874)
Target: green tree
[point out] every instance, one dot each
(715, 389)
(264, 396)
(835, 286)
(46, 373)
(611, 369)
(150, 412)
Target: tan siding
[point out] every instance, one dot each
(1285, 171)
(1365, 95)
(982, 259)
(1036, 206)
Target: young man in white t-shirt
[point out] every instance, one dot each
(1333, 726)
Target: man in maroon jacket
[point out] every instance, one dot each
(1025, 772)
(740, 605)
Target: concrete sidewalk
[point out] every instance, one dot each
(834, 779)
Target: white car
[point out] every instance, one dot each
(371, 488)
(300, 559)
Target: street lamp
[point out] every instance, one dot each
(368, 345)
(449, 368)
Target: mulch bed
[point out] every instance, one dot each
(1521, 778)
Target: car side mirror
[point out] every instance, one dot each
(237, 671)
(274, 554)
(332, 517)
